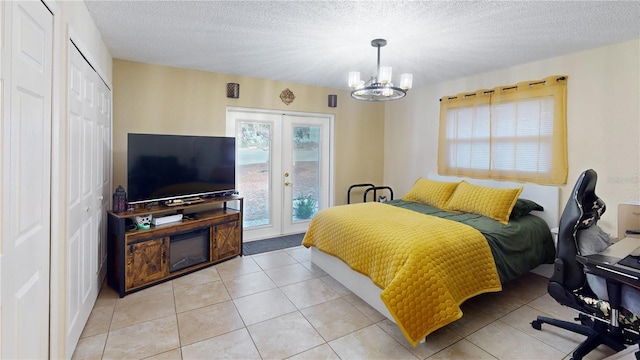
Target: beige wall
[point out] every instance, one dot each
(165, 100)
(603, 122)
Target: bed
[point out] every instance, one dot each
(417, 261)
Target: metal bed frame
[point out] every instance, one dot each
(371, 187)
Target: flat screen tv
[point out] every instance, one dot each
(166, 167)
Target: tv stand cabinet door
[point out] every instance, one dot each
(227, 241)
(146, 262)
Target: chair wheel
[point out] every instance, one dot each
(536, 325)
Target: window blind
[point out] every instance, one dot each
(512, 133)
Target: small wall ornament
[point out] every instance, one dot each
(287, 96)
(233, 90)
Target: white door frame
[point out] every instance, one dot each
(230, 131)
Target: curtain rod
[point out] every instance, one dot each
(561, 78)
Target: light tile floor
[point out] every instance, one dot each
(278, 305)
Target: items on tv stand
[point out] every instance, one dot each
(183, 202)
(209, 232)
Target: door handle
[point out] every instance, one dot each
(286, 183)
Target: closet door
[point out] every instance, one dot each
(88, 166)
(102, 190)
(26, 42)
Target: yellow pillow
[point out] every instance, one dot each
(486, 201)
(431, 192)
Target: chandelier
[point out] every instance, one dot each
(379, 87)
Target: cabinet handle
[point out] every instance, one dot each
(89, 209)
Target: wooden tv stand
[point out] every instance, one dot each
(137, 259)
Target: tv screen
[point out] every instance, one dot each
(164, 167)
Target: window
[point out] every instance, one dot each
(511, 133)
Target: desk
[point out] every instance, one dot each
(605, 264)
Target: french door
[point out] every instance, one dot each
(283, 169)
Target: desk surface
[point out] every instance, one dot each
(605, 263)
(622, 248)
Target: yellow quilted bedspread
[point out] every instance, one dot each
(426, 266)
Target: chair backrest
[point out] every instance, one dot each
(583, 210)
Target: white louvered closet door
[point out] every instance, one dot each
(88, 189)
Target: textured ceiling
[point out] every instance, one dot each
(319, 42)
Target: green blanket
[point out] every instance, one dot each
(517, 247)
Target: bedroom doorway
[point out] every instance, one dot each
(282, 169)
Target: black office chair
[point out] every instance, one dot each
(599, 320)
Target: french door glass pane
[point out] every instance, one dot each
(254, 171)
(306, 171)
